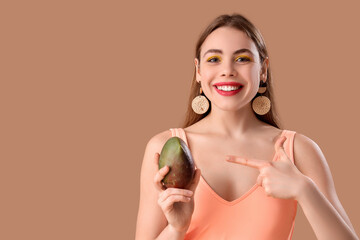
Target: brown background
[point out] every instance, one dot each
(85, 85)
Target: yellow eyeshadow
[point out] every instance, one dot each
(213, 57)
(243, 56)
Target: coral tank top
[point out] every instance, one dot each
(253, 216)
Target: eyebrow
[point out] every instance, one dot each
(236, 52)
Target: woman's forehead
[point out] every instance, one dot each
(229, 40)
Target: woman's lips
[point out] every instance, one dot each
(236, 84)
(228, 93)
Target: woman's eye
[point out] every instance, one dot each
(242, 59)
(213, 59)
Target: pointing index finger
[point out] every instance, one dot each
(279, 143)
(251, 162)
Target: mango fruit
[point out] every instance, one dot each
(176, 154)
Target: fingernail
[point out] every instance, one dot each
(189, 193)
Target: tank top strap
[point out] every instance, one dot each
(173, 132)
(179, 132)
(289, 143)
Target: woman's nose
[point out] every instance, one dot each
(228, 69)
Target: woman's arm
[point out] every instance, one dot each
(318, 198)
(151, 221)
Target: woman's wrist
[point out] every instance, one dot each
(179, 233)
(171, 233)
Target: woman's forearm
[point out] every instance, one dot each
(170, 233)
(324, 219)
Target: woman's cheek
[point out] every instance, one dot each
(208, 76)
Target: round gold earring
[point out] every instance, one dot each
(261, 104)
(200, 104)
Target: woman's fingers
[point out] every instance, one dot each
(160, 176)
(259, 180)
(169, 202)
(279, 144)
(171, 195)
(156, 158)
(174, 192)
(255, 163)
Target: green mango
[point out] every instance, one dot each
(176, 154)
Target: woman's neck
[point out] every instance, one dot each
(233, 124)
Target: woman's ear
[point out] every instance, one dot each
(197, 69)
(265, 66)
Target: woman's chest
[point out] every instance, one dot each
(228, 180)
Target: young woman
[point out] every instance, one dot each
(250, 175)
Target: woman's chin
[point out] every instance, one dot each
(230, 108)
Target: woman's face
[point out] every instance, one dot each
(229, 55)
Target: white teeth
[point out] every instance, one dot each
(227, 88)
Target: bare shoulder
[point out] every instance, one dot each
(309, 158)
(157, 141)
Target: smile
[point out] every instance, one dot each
(227, 90)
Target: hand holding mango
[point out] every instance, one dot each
(176, 154)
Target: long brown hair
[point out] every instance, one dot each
(239, 22)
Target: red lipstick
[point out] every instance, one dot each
(228, 83)
(228, 93)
